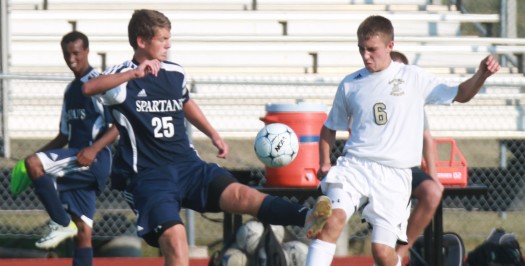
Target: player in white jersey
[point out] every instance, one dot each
(382, 104)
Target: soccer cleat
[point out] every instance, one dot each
(317, 216)
(57, 234)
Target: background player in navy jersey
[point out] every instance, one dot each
(383, 106)
(150, 102)
(426, 188)
(72, 176)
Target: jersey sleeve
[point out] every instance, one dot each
(339, 116)
(425, 121)
(64, 128)
(436, 90)
(115, 95)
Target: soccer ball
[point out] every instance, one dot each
(296, 253)
(276, 145)
(278, 231)
(249, 235)
(234, 257)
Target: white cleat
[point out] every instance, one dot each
(57, 234)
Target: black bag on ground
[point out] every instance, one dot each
(500, 249)
(453, 251)
(269, 251)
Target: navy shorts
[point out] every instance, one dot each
(160, 193)
(418, 176)
(77, 186)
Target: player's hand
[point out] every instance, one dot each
(86, 156)
(147, 67)
(489, 66)
(221, 146)
(323, 171)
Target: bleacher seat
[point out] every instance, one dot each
(275, 40)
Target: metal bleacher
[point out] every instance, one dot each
(294, 42)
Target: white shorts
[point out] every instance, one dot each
(382, 192)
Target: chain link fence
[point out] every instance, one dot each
(489, 133)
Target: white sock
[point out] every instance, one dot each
(320, 253)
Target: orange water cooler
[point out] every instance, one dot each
(306, 119)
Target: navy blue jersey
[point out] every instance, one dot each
(150, 118)
(83, 118)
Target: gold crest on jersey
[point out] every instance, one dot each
(396, 90)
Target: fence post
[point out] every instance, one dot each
(4, 135)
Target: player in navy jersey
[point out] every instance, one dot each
(426, 188)
(383, 106)
(150, 103)
(67, 180)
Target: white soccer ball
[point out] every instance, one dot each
(296, 253)
(278, 231)
(249, 235)
(276, 145)
(234, 257)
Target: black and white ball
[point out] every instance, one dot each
(276, 145)
(234, 257)
(296, 252)
(249, 235)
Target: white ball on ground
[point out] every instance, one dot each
(234, 257)
(249, 235)
(278, 231)
(296, 253)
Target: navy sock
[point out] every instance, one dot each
(83, 257)
(46, 192)
(278, 211)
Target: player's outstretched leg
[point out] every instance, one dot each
(317, 216)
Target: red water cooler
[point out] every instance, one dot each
(306, 119)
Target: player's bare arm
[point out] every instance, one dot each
(58, 142)
(471, 86)
(196, 117)
(326, 142)
(86, 156)
(428, 153)
(104, 83)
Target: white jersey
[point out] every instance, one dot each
(385, 110)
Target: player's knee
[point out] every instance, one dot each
(84, 234)
(334, 225)
(429, 193)
(34, 166)
(84, 229)
(433, 194)
(239, 198)
(383, 254)
(250, 198)
(338, 218)
(173, 243)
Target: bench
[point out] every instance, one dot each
(242, 22)
(307, 56)
(220, 5)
